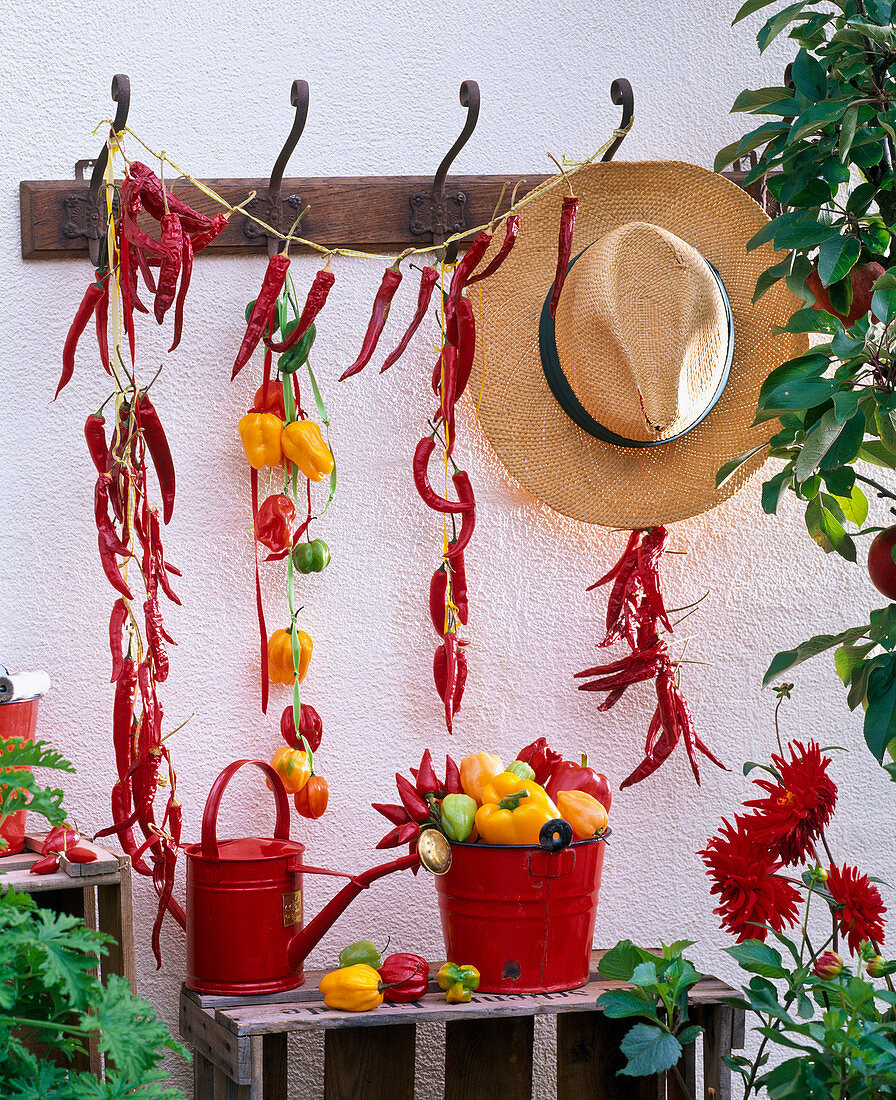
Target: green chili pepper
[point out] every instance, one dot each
(521, 770)
(458, 816)
(290, 361)
(364, 951)
(311, 557)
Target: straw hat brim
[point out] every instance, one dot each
(541, 447)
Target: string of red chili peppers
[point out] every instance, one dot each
(448, 597)
(141, 663)
(636, 613)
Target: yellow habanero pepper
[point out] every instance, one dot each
(583, 811)
(477, 770)
(293, 768)
(281, 669)
(303, 444)
(352, 988)
(260, 433)
(513, 810)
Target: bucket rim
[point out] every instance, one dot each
(527, 847)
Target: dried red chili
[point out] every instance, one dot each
(85, 311)
(465, 495)
(428, 495)
(379, 314)
(438, 591)
(459, 279)
(314, 303)
(428, 280)
(459, 582)
(262, 311)
(511, 232)
(95, 435)
(205, 237)
(401, 834)
(151, 194)
(117, 620)
(186, 269)
(102, 321)
(154, 639)
(417, 809)
(172, 249)
(466, 345)
(564, 247)
(159, 451)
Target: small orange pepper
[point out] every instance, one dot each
(477, 770)
(281, 667)
(303, 444)
(260, 433)
(583, 811)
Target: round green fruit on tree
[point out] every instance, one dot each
(881, 567)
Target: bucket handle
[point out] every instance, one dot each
(213, 802)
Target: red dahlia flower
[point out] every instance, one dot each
(794, 813)
(860, 907)
(743, 874)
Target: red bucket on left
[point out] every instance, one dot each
(16, 720)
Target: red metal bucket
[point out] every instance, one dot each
(16, 720)
(244, 902)
(523, 916)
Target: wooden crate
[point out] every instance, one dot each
(240, 1045)
(98, 893)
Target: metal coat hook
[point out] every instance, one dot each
(441, 213)
(87, 214)
(622, 95)
(280, 213)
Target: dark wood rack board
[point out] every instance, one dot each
(364, 212)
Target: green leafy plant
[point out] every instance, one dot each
(51, 1002)
(826, 155)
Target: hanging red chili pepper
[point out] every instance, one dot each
(564, 247)
(428, 280)
(511, 232)
(378, 317)
(86, 310)
(314, 303)
(263, 310)
(428, 495)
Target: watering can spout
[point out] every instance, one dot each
(305, 940)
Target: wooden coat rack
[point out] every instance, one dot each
(376, 213)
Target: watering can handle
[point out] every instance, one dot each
(210, 814)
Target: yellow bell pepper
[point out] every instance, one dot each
(293, 768)
(476, 771)
(513, 810)
(260, 433)
(583, 811)
(352, 988)
(303, 444)
(281, 668)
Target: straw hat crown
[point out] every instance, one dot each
(642, 332)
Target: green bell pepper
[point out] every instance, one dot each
(458, 816)
(364, 951)
(290, 361)
(311, 557)
(522, 770)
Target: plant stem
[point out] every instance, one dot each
(24, 1021)
(881, 491)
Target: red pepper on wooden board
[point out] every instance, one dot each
(263, 310)
(46, 865)
(564, 247)
(511, 232)
(81, 855)
(59, 839)
(428, 495)
(314, 303)
(405, 977)
(379, 314)
(428, 280)
(151, 194)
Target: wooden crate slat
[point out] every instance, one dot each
(364, 1065)
(717, 1034)
(485, 1058)
(588, 1058)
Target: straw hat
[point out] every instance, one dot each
(620, 409)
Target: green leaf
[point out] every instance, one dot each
(885, 422)
(749, 8)
(827, 530)
(770, 276)
(882, 626)
(848, 658)
(750, 100)
(620, 1003)
(808, 76)
(789, 658)
(880, 716)
(812, 320)
(854, 507)
(847, 132)
(773, 490)
(735, 464)
(845, 448)
(875, 451)
(649, 1050)
(836, 258)
(818, 440)
(118, 1016)
(674, 950)
(620, 961)
(804, 234)
(757, 958)
(815, 118)
(689, 1034)
(778, 23)
(883, 303)
(753, 140)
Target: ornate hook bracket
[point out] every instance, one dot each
(86, 214)
(279, 212)
(440, 212)
(622, 95)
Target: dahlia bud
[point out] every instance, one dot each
(875, 967)
(827, 965)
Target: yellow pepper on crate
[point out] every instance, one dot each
(260, 433)
(458, 982)
(293, 768)
(352, 988)
(477, 770)
(513, 810)
(303, 444)
(585, 814)
(281, 669)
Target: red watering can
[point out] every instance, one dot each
(244, 921)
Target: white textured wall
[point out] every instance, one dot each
(210, 84)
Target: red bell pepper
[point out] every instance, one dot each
(407, 977)
(541, 758)
(569, 776)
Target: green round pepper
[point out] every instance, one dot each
(521, 770)
(458, 816)
(290, 361)
(311, 557)
(364, 951)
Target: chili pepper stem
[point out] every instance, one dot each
(562, 171)
(162, 181)
(498, 205)
(146, 389)
(180, 727)
(675, 610)
(289, 237)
